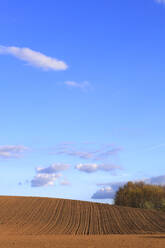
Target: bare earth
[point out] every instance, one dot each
(44, 222)
(90, 241)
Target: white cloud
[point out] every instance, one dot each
(48, 175)
(90, 168)
(12, 151)
(84, 85)
(108, 190)
(160, 1)
(34, 58)
(53, 168)
(44, 180)
(104, 193)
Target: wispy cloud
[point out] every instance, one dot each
(22, 183)
(34, 58)
(90, 168)
(160, 1)
(83, 86)
(99, 154)
(48, 175)
(12, 151)
(155, 147)
(65, 182)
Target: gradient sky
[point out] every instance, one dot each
(82, 96)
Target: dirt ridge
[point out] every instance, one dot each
(40, 216)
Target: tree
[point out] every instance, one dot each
(141, 195)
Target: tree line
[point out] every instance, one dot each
(141, 195)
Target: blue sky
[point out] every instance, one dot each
(82, 96)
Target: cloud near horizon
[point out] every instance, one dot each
(160, 180)
(103, 193)
(34, 58)
(10, 151)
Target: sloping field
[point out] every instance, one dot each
(43, 216)
(82, 241)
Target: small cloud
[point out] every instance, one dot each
(104, 193)
(65, 182)
(48, 175)
(115, 185)
(54, 168)
(108, 153)
(44, 180)
(80, 154)
(72, 84)
(109, 167)
(23, 183)
(34, 58)
(155, 147)
(12, 151)
(160, 1)
(90, 168)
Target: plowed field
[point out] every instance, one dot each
(46, 216)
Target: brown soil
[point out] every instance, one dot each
(89, 241)
(33, 222)
(40, 216)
